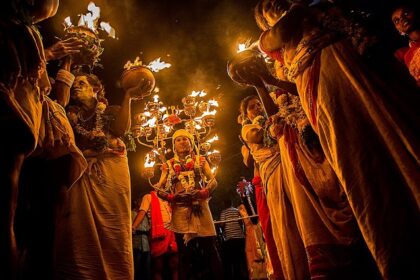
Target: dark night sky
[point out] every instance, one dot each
(197, 38)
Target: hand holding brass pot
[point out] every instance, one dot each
(89, 54)
(248, 68)
(139, 79)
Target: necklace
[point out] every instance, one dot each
(82, 119)
(86, 127)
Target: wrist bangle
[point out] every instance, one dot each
(65, 76)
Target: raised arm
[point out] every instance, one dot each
(63, 82)
(122, 123)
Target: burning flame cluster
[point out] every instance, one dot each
(91, 21)
(158, 122)
(155, 66)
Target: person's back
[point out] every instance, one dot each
(232, 229)
(234, 245)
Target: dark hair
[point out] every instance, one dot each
(404, 4)
(244, 105)
(228, 202)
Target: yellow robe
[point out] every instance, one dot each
(368, 130)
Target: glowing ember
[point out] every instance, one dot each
(157, 65)
(156, 98)
(213, 170)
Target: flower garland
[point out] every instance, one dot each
(290, 110)
(184, 172)
(261, 121)
(93, 131)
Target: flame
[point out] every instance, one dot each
(147, 114)
(167, 128)
(213, 102)
(148, 162)
(91, 20)
(209, 113)
(197, 126)
(157, 65)
(152, 122)
(137, 62)
(214, 138)
(214, 152)
(213, 170)
(67, 22)
(241, 48)
(94, 10)
(163, 109)
(108, 29)
(81, 21)
(200, 93)
(156, 98)
(244, 46)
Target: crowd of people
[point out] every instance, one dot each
(330, 137)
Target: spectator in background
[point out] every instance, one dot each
(141, 246)
(162, 241)
(406, 21)
(234, 245)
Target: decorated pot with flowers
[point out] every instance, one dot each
(89, 54)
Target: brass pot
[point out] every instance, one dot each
(215, 158)
(138, 74)
(148, 172)
(247, 68)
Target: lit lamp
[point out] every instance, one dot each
(214, 157)
(209, 119)
(190, 126)
(205, 147)
(138, 131)
(140, 119)
(189, 105)
(149, 165)
(87, 31)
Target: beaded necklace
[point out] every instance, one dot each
(89, 128)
